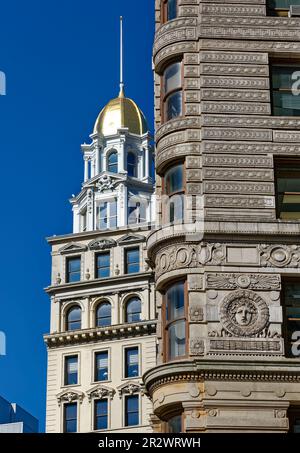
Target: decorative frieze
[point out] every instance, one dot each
(239, 201)
(262, 347)
(251, 45)
(238, 187)
(242, 32)
(236, 162)
(243, 108)
(258, 282)
(286, 136)
(177, 124)
(196, 346)
(241, 70)
(214, 133)
(251, 148)
(234, 57)
(237, 82)
(273, 122)
(281, 256)
(237, 95)
(238, 173)
(280, 23)
(233, 10)
(172, 50)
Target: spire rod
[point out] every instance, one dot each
(121, 59)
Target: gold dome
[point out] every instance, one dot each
(119, 113)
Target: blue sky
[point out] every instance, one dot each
(61, 60)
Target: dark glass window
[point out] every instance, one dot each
(173, 208)
(73, 269)
(131, 410)
(113, 162)
(172, 92)
(133, 310)
(281, 7)
(292, 318)
(131, 362)
(175, 321)
(132, 260)
(101, 366)
(284, 89)
(107, 215)
(131, 165)
(70, 418)
(171, 9)
(175, 425)
(103, 265)
(73, 319)
(294, 419)
(71, 370)
(103, 317)
(287, 173)
(101, 414)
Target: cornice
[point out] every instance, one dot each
(55, 289)
(97, 334)
(204, 370)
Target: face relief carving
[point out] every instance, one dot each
(244, 314)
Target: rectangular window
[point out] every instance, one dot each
(71, 370)
(101, 366)
(287, 175)
(131, 362)
(101, 414)
(103, 265)
(131, 410)
(294, 419)
(107, 215)
(132, 260)
(70, 418)
(169, 10)
(73, 269)
(292, 317)
(175, 318)
(281, 7)
(285, 88)
(172, 92)
(174, 191)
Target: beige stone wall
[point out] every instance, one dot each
(232, 247)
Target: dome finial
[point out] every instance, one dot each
(121, 94)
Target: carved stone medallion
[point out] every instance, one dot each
(244, 313)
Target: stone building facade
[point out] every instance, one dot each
(103, 319)
(226, 249)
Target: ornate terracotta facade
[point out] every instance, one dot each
(232, 252)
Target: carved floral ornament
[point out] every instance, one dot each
(100, 392)
(244, 313)
(69, 397)
(130, 388)
(194, 255)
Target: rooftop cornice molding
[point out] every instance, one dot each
(88, 235)
(90, 284)
(97, 334)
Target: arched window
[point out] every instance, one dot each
(112, 164)
(73, 318)
(133, 310)
(103, 315)
(131, 165)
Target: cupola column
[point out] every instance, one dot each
(86, 168)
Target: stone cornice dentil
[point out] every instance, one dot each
(98, 334)
(240, 370)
